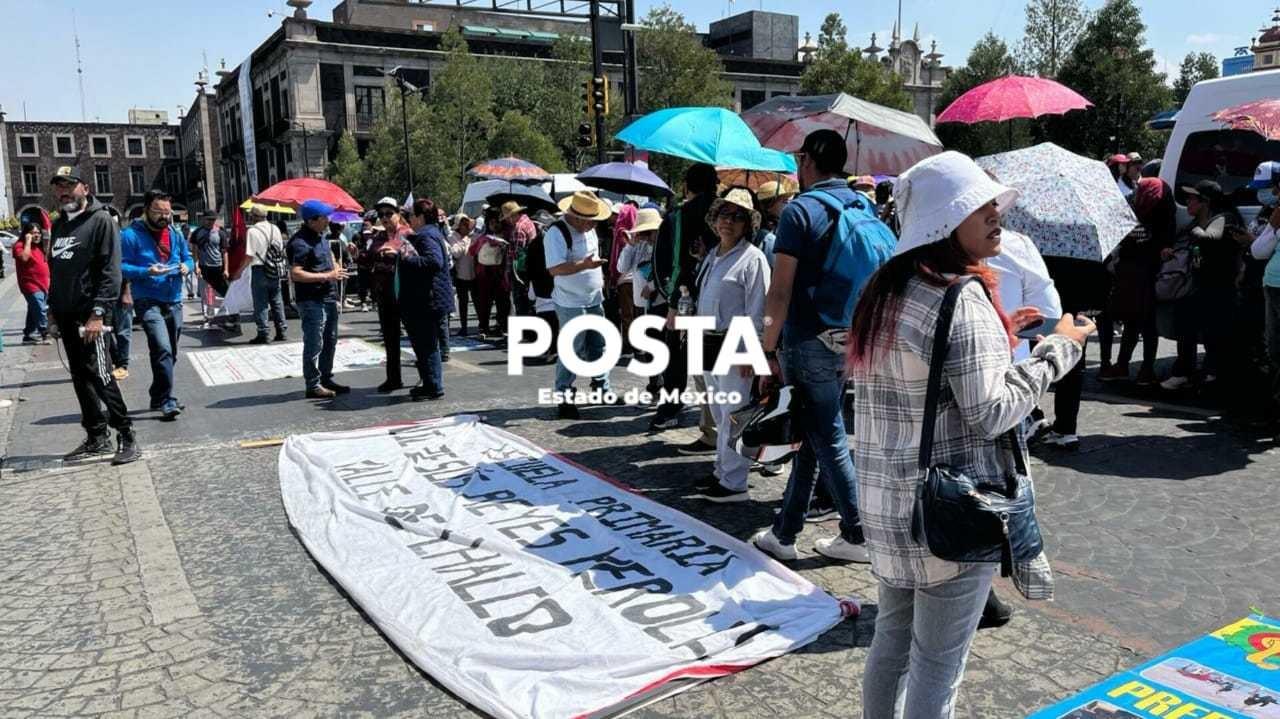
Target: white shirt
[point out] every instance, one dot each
(629, 261)
(734, 285)
(1124, 189)
(259, 236)
(1024, 281)
(580, 289)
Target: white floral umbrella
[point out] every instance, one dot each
(1068, 204)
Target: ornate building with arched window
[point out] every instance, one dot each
(922, 74)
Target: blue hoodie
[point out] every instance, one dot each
(138, 252)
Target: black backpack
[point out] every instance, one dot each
(533, 270)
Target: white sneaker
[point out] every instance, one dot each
(1066, 441)
(1175, 382)
(765, 541)
(839, 548)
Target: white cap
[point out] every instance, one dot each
(938, 193)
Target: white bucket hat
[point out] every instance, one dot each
(938, 193)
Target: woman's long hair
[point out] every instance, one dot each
(940, 264)
(27, 228)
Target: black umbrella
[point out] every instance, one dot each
(532, 197)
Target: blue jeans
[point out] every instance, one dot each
(319, 340)
(921, 644)
(123, 334)
(37, 315)
(162, 322)
(424, 338)
(266, 296)
(588, 346)
(817, 374)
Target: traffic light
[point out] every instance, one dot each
(600, 95)
(586, 135)
(587, 104)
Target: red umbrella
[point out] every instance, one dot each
(1260, 116)
(512, 169)
(297, 191)
(1013, 96)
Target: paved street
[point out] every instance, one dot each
(175, 586)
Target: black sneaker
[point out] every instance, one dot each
(567, 410)
(664, 420)
(697, 446)
(444, 358)
(280, 337)
(707, 483)
(722, 495)
(260, 340)
(28, 340)
(421, 392)
(820, 514)
(996, 613)
(389, 386)
(336, 388)
(127, 449)
(92, 446)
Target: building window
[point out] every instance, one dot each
(64, 146)
(27, 146)
(284, 97)
(102, 179)
(424, 26)
(370, 101)
(135, 146)
(30, 182)
(99, 146)
(168, 147)
(137, 180)
(171, 179)
(1268, 59)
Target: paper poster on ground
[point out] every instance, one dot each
(528, 585)
(1233, 673)
(254, 363)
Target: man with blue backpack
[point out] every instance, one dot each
(829, 243)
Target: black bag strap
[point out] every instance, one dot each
(941, 343)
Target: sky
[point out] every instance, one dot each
(144, 53)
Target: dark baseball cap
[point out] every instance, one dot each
(827, 148)
(67, 173)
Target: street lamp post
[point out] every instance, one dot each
(182, 163)
(597, 71)
(404, 86)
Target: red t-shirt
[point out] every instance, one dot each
(162, 245)
(33, 274)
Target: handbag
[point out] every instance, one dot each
(957, 518)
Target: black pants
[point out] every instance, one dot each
(90, 365)
(389, 327)
(464, 289)
(215, 278)
(1066, 397)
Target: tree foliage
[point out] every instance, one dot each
(347, 170)
(1051, 31)
(836, 67)
(1195, 67)
(676, 69)
(988, 60)
(1110, 67)
(516, 134)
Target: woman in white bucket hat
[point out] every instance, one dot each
(929, 607)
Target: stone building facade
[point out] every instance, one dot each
(118, 161)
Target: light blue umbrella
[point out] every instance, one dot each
(1067, 204)
(712, 135)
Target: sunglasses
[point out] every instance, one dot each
(386, 213)
(735, 215)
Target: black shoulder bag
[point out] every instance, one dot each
(958, 519)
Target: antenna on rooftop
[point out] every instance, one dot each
(79, 65)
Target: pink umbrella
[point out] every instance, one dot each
(1013, 96)
(296, 191)
(1260, 116)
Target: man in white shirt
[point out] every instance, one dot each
(263, 245)
(574, 264)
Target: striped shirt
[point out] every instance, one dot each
(985, 395)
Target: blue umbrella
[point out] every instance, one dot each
(704, 134)
(625, 178)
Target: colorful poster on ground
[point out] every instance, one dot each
(255, 363)
(1233, 673)
(528, 585)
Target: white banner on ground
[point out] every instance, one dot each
(528, 585)
(254, 363)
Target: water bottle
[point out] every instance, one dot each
(685, 305)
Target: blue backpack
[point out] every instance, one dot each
(857, 244)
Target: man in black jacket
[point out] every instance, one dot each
(84, 268)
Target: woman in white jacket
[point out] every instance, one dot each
(732, 282)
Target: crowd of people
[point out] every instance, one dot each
(846, 282)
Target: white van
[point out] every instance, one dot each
(1201, 149)
(560, 186)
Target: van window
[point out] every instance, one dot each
(1228, 157)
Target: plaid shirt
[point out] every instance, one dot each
(985, 395)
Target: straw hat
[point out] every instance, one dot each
(938, 193)
(739, 197)
(510, 208)
(647, 220)
(774, 189)
(585, 205)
